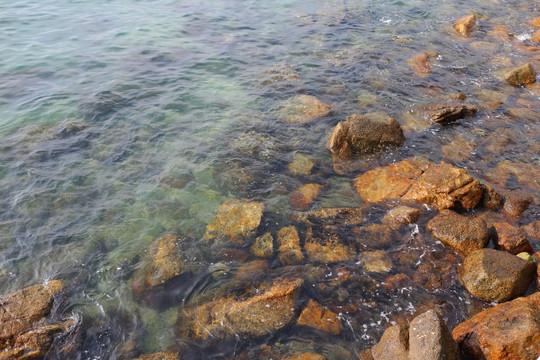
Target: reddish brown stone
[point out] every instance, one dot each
(401, 216)
(506, 331)
(510, 239)
(374, 236)
(447, 112)
(491, 199)
(532, 230)
(290, 252)
(536, 36)
(420, 64)
(303, 196)
(516, 202)
(326, 247)
(536, 22)
(394, 282)
(394, 344)
(315, 316)
(465, 24)
(522, 75)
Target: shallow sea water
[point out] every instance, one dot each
(124, 120)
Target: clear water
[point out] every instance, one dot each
(190, 91)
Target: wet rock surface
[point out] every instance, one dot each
(507, 331)
(303, 109)
(401, 216)
(326, 246)
(236, 220)
(459, 232)
(315, 316)
(465, 24)
(25, 330)
(259, 315)
(263, 246)
(363, 134)
(289, 248)
(445, 113)
(493, 275)
(510, 239)
(522, 75)
(304, 196)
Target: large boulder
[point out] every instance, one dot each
(272, 309)
(363, 134)
(236, 220)
(507, 331)
(442, 185)
(25, 331)
(521, 75)
(493, 275)
(460, 232)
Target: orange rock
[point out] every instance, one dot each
(290, 252)
(236, 220)
(522, 75)
(303, 109)
(166, 261)
(326, 247)
(465, 24)
(401, 216)
(420, 64)
(536, 22)
(315, 316)
(510, 239)
(536, 36)
(374, 236)
(500, 32)
(160, 356)
(306, 356)
(507, 331)
(394, 282)
(303, 196)
(532, 230)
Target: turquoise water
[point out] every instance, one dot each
(121, 121)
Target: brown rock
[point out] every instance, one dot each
(506, 331)
(394, 282)
(363, 134)
(536, 22)
(493, 275)
(160, 356)
(465, 24)
(447, 112)
(430, 339)
(459, 232)
(394, 344)
(301, 164)
(446, 187)
(491, 199)
(263, 246)
(420, 64)
(331, 216)
(522, 75)
(315, 316)
(326, 247)
(237, 220)
(303, 109)
(458, 150)
(374, 236)
(256, 316)
(252, 270)
(500, 33)
(516, 202)
(510, 239)
(303, 196)
(165, 262)
(536, 36)
(532, 230)
(435, 275)
(290, 252)
(401, 216)
(376, 261)
(389, 182)
(306, 356)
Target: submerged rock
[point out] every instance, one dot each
(327, 247)
(363, 134)
(302, 198)
(315, 316)
(236, 220)
(376, 261)
(419, 63)
(160, 356)
(506, 331)
(444, 113)
(510, 239)
(401, 216)
(493, 275)
(374, 236)
(290, 252)
(459, 232)
(465, 24)
(263, 246)
(522, 75)
(532, 230)
(303, 109)
(331, 216)
(25, 332)
(301, 164)
(255, 316)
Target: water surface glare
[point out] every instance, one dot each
(125, 120)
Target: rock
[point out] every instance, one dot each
(303, 109)
(290, 252)
(516, 202)
(460, 232)
(500, 33)
(363, 134)
(447, 112)
(160, 356)
(374, 236)
(164, 263)
(526, 256)
(25, 331)
(522, 75)
(259, 315)
(484, 46)
(331, 216)
(508, 238)
(430, 339)
(532, 230)
(536, 36)
(506, 331)
(303, 196)
(491, 199)
(419, 63)
(376, 261)
(536, 22)
(465, 24)
(394, 344)
(326, 247)
(446, 187)
(493, 275)
(315, 316)
(395, 282)
(252, 270)
(458, 150)
(436, 274)
(401, 216)
(263, 246)
(301, 164)
(306, 356)
(389, 182)
(236, 220)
